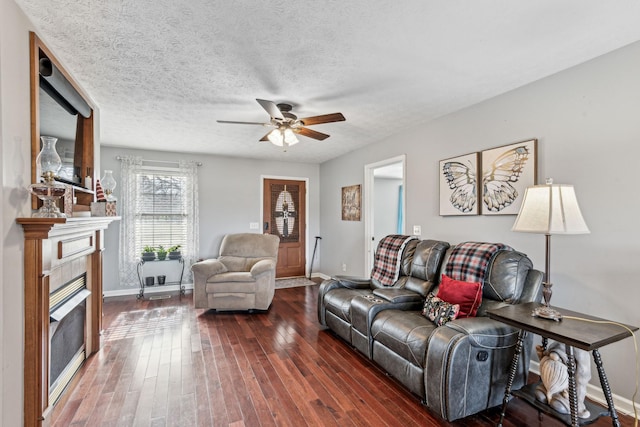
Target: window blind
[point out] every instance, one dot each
(161, 214)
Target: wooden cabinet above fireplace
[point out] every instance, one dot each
(57, 250)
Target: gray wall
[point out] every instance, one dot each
(586, 121)
(229, 199)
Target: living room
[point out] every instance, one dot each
(585, 121)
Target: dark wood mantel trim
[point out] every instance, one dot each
(40, 257)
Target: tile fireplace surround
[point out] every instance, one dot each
(57, 250)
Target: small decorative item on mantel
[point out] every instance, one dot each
(103, 208)
(48, 164)
(108, 184)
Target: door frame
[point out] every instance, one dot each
(306, 205)
(368, 204)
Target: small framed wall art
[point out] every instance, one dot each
(351, 202)
(506, 172)
(458, 185)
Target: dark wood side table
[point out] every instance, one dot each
(572, 333)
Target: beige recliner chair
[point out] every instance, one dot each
(243, 277)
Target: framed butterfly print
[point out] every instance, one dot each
(506, 172)
(458, 185)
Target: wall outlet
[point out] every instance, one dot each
(344, 267)
(254, 226)
(417, 230)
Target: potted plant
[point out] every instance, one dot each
(148, 253)
(162, 253)
(174, 252)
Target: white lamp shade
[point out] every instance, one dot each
(290, 137)
(275, 137)
(281, 136)
(550, 209)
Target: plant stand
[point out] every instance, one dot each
(140, 269)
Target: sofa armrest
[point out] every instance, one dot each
(398, 295)
(208, 268)
(337, 282)
(532, 291)
(353, 282)
(262, 266)
(485, 332)
(467, 365)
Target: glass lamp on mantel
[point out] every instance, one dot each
(48, 163)
(108, 184)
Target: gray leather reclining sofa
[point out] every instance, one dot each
(457, 369)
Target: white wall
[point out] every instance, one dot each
(230, 198)
(586, 122)
(15, 155)
(387, 193)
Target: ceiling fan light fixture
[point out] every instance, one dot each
(282, 136)
(275, 137)
(289, 137)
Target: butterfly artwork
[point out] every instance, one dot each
(458, 185)
(506, 172)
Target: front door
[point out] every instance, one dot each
(284, 216)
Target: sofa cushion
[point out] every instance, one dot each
(231, 287)
(406, 333)
(467, 294)
(439, 311)
(506, 277)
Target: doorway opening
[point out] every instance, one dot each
(384, 202)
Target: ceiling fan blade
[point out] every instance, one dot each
(325, 118)
(265, 138)
(311, 133)
(243, 123)
(271, 108)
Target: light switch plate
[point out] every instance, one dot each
(254, 226)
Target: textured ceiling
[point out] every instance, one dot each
(163, 71)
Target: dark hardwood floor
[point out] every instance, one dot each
(163, 363)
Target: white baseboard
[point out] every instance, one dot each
(321, 275)
(622, 404)
(147, 290)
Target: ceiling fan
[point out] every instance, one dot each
(287, 124)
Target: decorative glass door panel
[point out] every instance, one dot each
(284, 216)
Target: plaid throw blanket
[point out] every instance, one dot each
(386, 263)
(468, 261)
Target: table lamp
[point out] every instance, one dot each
(549, 209)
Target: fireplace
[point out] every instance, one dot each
(62, 307)
(67, 320)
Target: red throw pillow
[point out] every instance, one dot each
(467, 294)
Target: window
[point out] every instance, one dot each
(162, 218)
(159, 206)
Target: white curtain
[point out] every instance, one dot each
(132, 168)
(190, 170)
